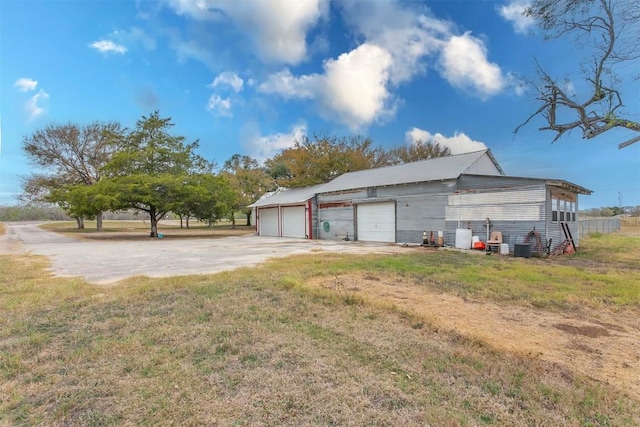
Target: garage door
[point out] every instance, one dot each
(293, 222)
(377, 222)
(268, 222)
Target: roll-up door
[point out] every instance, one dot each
(268, 222)
(293, 221)
(376, 222)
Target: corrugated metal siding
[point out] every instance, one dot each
(342, 196)
(484, 165)
(417, 189)
(471, 182)
(503, 205)
(512, 231)
(514, 206)
(314, 218)
(419, 207)
(417, 214)
(341, 223)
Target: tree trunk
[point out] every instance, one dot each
(188, 220)
(233, 221)
(248, 218)
(80, 222)
(99, 221)
(154, 222)
(181, 226)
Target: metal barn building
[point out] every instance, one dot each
(287, 213)
(396, 204)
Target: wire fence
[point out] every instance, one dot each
(598, 225)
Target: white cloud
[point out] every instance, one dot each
(355, 86)
(399, 44)
(289, 86)
(228, 78)
(409, 37)
(107, 46)
(459, 143)
(415, 37)
(25, 84)
(264, 147)
(352, 89)
(219, 106)
(33, 106)
(118, 40)
(514, 12)
(465, 65)
(277, 28)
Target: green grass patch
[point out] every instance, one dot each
(257, 346)
(561, 283)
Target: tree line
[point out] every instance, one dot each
(103, 167)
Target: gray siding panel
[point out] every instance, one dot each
(512, 231)
(341, 223)
(314, 218)
(342, 196)
(514, 207)
(417, 214)
(473, 182)
(422, 188)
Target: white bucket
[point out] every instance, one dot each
(463, 238)
(504, 249)
(474, 239)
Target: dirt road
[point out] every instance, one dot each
(103, 262)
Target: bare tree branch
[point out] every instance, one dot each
(601, 24)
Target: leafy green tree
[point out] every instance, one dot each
(217, 200)
(607, 32)
(321, 159)
(83, 201)
(153, 169)
(415, 152)
(207, 197)
(66, 156)
(248, 180)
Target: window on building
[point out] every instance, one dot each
(563, 210)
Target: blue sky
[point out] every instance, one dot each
(251, 76)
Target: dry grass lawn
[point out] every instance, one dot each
(324, 340)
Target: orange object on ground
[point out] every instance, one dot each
(479, 245)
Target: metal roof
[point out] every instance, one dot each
(286, 196)
(436, 169)
(568, 186)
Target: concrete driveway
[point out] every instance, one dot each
(103, 262)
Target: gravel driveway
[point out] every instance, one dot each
(103, 262)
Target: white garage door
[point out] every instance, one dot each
(377, 222)
(268, 222)
(293, 222)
